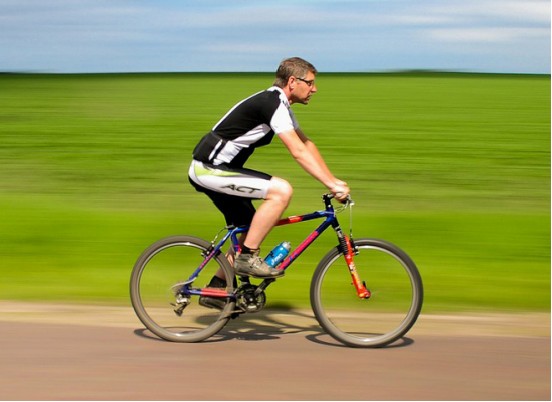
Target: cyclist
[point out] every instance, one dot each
(217, 168)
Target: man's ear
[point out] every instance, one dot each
(292, 82)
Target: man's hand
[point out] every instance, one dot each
(340, 191)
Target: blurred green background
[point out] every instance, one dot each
(453, 168)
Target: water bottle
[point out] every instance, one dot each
(278, 254)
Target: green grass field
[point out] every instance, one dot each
(454, 168)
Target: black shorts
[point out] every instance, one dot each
(235, 202)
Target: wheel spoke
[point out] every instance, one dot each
(394, 303)
(159, 275)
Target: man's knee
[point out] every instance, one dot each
(280, 189)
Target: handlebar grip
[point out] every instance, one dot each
(330, 196)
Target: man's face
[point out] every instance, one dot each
(302, 88)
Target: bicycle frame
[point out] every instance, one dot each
(330, 219)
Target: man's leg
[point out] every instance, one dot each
(248, 262)
(244, 185)
(269, 212)
(267, 215)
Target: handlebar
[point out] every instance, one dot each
(328, 197)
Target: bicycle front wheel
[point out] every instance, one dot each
(158, 276)
(393, 307)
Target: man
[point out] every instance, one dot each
(218, 162)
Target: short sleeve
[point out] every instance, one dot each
(283, 120)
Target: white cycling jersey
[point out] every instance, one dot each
(250, 124)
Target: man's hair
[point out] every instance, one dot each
(294, 66)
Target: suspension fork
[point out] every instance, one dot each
(347, 247)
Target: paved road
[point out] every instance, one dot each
(104, 354)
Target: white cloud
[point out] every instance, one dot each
(480, 23)
(489, 35)
(517, 11)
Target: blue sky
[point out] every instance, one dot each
(64, 36)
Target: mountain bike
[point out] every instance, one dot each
(364, 292)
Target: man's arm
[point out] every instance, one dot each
(307, 155)
(314, 151)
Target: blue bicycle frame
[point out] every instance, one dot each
(330, 219)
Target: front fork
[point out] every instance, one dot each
(349, 250)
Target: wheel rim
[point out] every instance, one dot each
(154, 299)
(391, 310)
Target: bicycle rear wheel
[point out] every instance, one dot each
(157, 277)
(396, 295)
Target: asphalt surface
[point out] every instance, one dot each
(102, 353)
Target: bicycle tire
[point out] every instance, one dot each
(161, 269)
(396, 295)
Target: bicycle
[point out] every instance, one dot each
(164, 285)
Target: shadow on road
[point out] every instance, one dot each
(272, 325)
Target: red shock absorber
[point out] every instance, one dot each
(360, 286)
